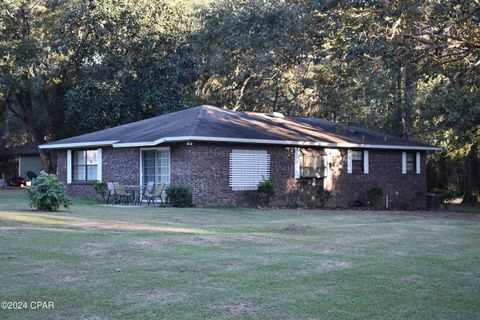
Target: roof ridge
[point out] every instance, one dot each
(197, 120)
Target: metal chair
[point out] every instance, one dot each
(156, 194)
(122, 193)
(111, 191)
(148, 191)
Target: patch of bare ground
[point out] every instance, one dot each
(95, 249)
(71, 277)
(234, 266)
(325, 250)
(297, 228)
(156, 295)
(324, 266)
(197, 240)
(237, 308)
(411, 278)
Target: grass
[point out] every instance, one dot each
(99, 262)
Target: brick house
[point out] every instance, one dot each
(221, 155)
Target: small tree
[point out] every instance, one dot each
(266, 191)
(48, 193)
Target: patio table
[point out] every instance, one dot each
(137, 191)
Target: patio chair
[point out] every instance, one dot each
(111, 191)
(148, 191)
(156, 194)
(122, 194)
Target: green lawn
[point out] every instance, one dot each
(98, 262)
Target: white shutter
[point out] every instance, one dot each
(349, 161)
(297, 163)
(417, 162)
(404, 162)
(248, 168)
(99, 164)
(69, 166)
(365, 161)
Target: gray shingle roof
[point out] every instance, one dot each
(208, 123)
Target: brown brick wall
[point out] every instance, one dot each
(204, 168)
(121, 165)
(385, 171)
(210, 178)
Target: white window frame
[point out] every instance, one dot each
(156, 149)
(99, 164)
(298, 163)
(298, 157)
(365, 156)
(349, 161)
(244, 182)
(418, 163)
(70, 164)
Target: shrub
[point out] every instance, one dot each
(100, 188)
(48, 193)
(178, 196)
(444, 196)
(374, 195)
(266, 191)
(415, 200)
(323, 196)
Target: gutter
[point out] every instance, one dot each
(115, 143)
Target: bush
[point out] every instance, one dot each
(179, 196)
(444, 196)
(323, 196)
(266, 191)
(100, 188)
(374, 195)
(48, 193)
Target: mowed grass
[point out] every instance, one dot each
(99, 262)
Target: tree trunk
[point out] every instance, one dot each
(408, 99)
(470, 187)
(24, 99)
(398, 118)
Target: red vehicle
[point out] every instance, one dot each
(17, 182)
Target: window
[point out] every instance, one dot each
(156, 166)
(85, 165)
(313, 163)
(248, 168)
(357, 161)
(411, 162)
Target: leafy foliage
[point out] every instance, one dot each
(374, 195)
(444, 196)
(179, 196)
(100, 188)
(323, 196)
(266, 191)
(403, 67)
(134, 66)
(48, 193)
